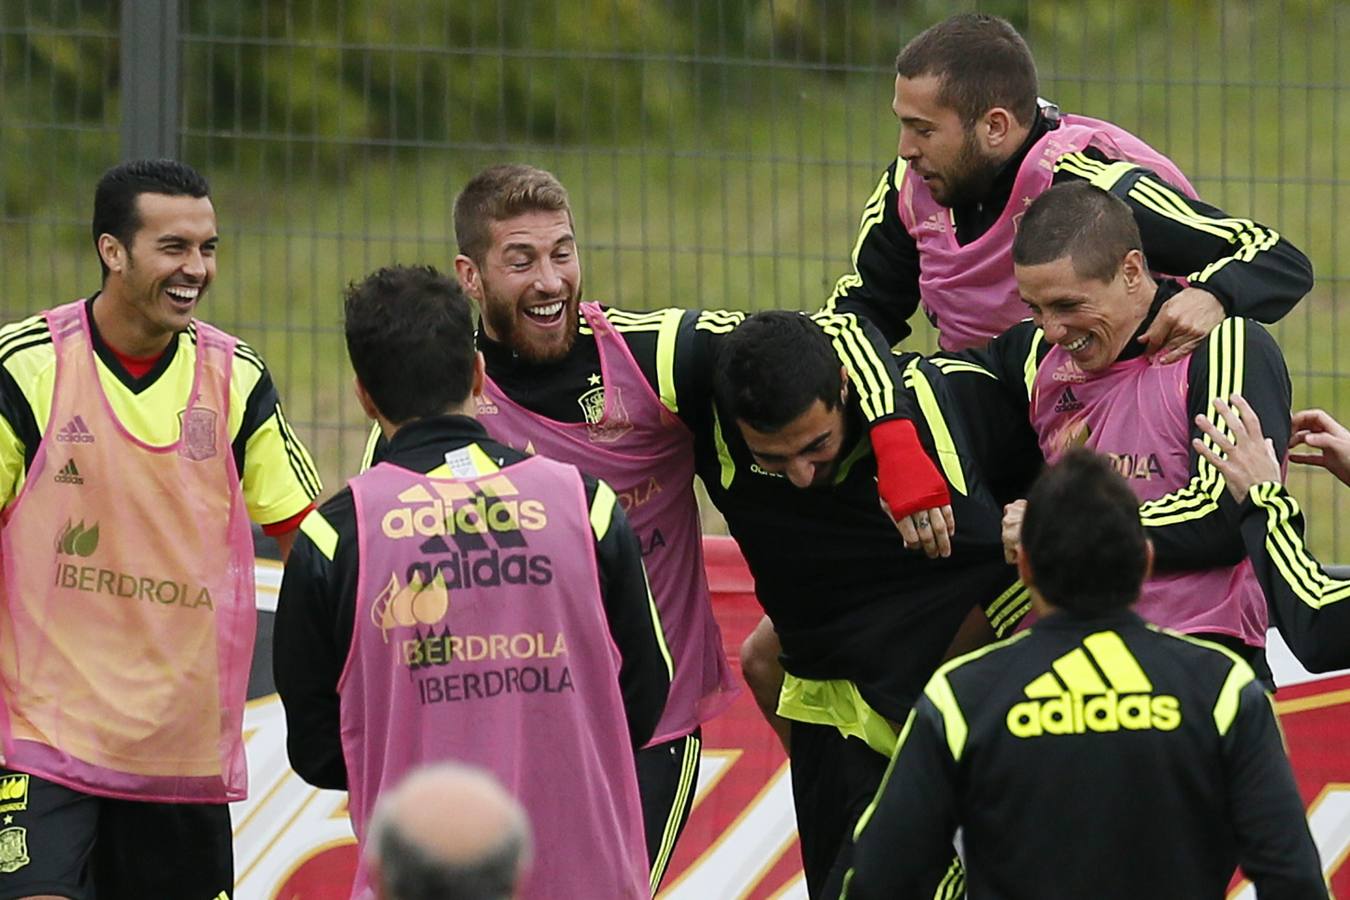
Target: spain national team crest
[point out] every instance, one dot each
(198, 433)
(601, 428)
(13, 849)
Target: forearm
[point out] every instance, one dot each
(1311, 608)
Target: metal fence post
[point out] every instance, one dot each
(150, 79)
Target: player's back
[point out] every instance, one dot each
(1102, 761)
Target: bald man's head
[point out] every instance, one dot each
(447, 831)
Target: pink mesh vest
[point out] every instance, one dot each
(1135, 413)
(969, 292)
(127, 621)
(646, 454)
(480, 636)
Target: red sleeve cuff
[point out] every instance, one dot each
(906, 478)
(285, 525)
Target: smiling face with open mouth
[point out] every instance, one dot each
(157, 281)
(529, 285)
(1091, 319)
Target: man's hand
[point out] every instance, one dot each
(912, 491)
(1249, 457)
(931, 530)
(1012, 529)
(1183, 322)
(1320, 431)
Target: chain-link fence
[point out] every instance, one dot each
(718, 151)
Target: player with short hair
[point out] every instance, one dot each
(976, 147)
(1094, 754)
(463, 600)
(1081, 378)
(862, 621)
(136, 441)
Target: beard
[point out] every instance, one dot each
(508, 325)
(970, 176)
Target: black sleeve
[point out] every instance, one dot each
(907, 832)
(312, 634)
(635, 626)
(1251, 268)
(884, 284)
(1275, 848)
(1310, 607)
(1196, 526)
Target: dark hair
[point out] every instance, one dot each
(115, 211)
(1082, 536)
(773, 367)
(410, 338)
(982, 63)
(500, 193)
(1092, 227)
(409, 873)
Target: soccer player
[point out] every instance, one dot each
(1311, 608)
(136, 442)
(976, 147)
(1082, 379)
(1093, 755)
(466, 601)
(863, 622)
(621, 395)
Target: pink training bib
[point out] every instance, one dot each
(127, 619)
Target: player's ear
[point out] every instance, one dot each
(470, 278)
(843, 385)
(363, 397)
(479, 375)
(113, 253)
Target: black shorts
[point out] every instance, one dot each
(54, 840)
(667, 778)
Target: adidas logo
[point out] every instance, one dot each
(1098, 687)
(69, 474)
(75, 432)
(1068, 402)
(934, 222)
(1069, 371)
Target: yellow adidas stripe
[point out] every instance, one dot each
(874, 210)
(876, 394)
(939, 692)
(1118, 663)
(319, 530)
(724, 460)
(368, 454)
(675, 820)
(943, 442)
(602, 509)
(1226, 707)
(1227, 357)
(1032, 362)
(665, 359)
(1313, 587)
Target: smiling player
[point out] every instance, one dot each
(135, 444)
